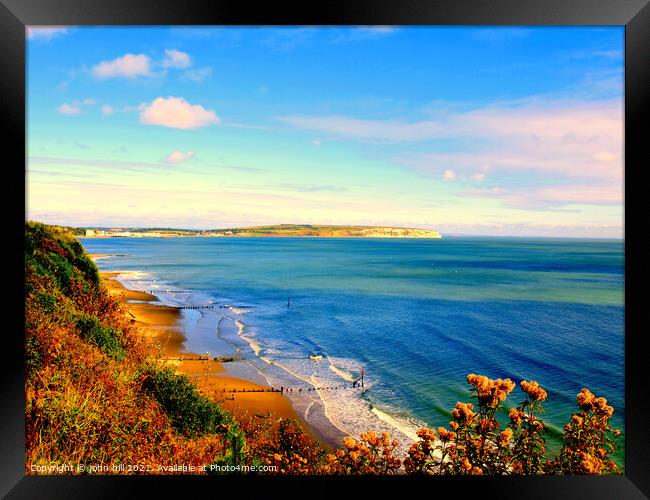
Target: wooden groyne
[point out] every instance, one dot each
(283, 390)
(177, 308)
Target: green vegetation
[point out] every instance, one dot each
(91, 395)
(190, 413)
(104, 337)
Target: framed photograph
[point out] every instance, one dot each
(364, 240)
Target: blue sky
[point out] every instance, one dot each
(487, 130)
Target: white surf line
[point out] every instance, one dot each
(334, 421)
(307, 410)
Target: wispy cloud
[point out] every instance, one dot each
(178, 157)
(500, 35)
(557, 139)
(90, 163)
(313, 188)
(289, 38)
(75, 107)
(360, 33)
(198, 75)
(176, 59)
(551, 197)
(46, 33)
(69, 109)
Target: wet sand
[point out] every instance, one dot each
(165, 342)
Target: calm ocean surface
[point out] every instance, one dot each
(417, 315)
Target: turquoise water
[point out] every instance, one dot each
(417, 315)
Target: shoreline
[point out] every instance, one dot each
(165, 340)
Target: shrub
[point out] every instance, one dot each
(105, 337)
(189, 412)
(477, 445)
(372, 454)
(588, 439)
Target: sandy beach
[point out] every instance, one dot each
(165, 342)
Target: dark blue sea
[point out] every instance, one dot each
(417, 315)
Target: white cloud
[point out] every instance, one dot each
(69, 109)
(45, 32)
(552, 196)
(107, 110)
(379, 29)
(500, 35)
(127, 66)
(558, 142)
(604, 156)
(178, 156)
(176, 112)
(360, 33)
(198, 75)
(176, 59)
(449, 175)
(74, 107)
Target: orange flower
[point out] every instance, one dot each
(601, 407)
(369, 437)
(463, 412)
(445, 435)
(427, 434)
(533, 390)
(504, 385)
(585, 399)
(505, 437)
(591, 464)
(349, 442)
(516, 416)
(490, 392)
(465, 464)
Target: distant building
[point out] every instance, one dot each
(90, 232)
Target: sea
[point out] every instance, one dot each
(416, 316)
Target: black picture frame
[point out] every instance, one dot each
(633, 14)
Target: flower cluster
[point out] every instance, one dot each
(529, 445)
(373, 454)
(588, 402)
(588, 439)
(490, 392)
(533, 391)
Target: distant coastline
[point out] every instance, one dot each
(280, 230)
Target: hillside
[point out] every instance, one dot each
(273, 230)
(329, 231)
(93, 398)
